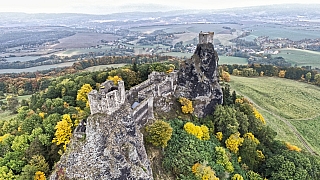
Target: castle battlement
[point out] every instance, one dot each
(206, 37)
(108, 99)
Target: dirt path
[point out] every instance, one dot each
(293, 129)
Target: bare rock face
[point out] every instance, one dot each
(198, 80)
(112, 149)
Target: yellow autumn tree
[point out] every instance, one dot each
(83, 92)
(186, 105)
(282, 73)
(115, 79)
(42, 114)
(201, 132)
(225, 76)
(251, 137)
(63, 131)
(219, 136)
(39, 176)
(260, 155)
(237, 177)
(258, 115)
(203, 172)
(292, 147)
(233, 142)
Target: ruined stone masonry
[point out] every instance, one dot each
(109, 144)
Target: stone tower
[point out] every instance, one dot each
(206, 37)
(198, 77)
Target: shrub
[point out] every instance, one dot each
(201, 132)
(159, 133)
(202, 171)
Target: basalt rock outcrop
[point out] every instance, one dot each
(198, 80)
(112, 150)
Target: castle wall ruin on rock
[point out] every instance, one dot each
(110, 97)
(206, 37)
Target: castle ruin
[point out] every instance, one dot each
(140, 97)
(109, 144)
(206, 37)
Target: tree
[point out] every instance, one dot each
(39, 176)
(201, 132)
(82, 96)
(159, 133)
(63, 131)
(186, 105)
(20, 143)
(115, 79)
(308, 76)
(233, 142)
(225, 120)
(6, 173)
(202, 171)
(223, 159)
(225, 76)
(12, 103)
(282, 73)
(237, 177)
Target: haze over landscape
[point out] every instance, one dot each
(113, 6)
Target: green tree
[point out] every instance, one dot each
(308, 76)
(12, 103)
(6, 173)
(159, 133)
(225, 120)
(20, 143)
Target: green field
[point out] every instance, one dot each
(310, 131)
(300, 57)
(279, 31)
(283, 132)
(282, 99)
(102, 67)
(37, 68)
(232, 60)
(287, 98)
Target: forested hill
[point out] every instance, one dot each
(232, 143)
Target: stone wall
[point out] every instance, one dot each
(107, 100)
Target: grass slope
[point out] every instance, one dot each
(287, 98)
(301, 57)
(310, 131)
(296, 101)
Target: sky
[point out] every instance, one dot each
(113, 6)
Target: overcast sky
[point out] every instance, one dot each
(112, 6)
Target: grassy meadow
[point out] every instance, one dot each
(102, 67)
(232, 60)
(310, 131)
(281, 98)
(36, 68)
(279, 31)
(287, 98)
(301, 57)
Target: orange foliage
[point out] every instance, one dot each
(293, 147)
